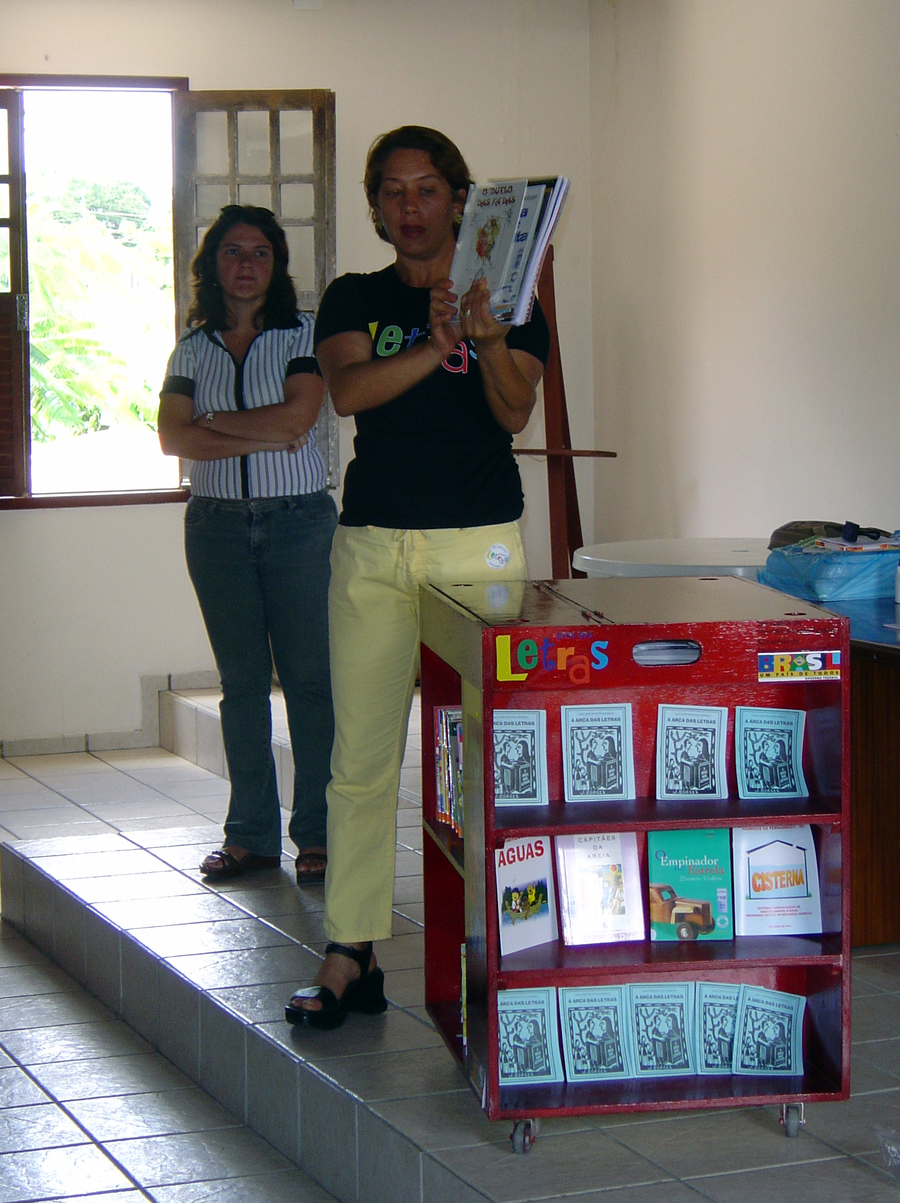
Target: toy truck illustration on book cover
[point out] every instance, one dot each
(690, 917)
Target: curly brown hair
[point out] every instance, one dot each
(445, 158)
(279, 309)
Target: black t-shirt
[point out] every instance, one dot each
(434, 457)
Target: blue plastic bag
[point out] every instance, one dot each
(818, 575)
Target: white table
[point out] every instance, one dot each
(674, 557)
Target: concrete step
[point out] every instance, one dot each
(203, 973)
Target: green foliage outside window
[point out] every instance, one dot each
(101, 305)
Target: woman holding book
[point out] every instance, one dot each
(240, 399)
(433, 495)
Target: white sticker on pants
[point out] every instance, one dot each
(496, 556)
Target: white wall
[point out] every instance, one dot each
(746, 234)
(92, 599)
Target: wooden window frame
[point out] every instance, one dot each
(15, 408)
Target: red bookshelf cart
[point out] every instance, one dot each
(507, 646)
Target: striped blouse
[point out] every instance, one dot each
(201, 367)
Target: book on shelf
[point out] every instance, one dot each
(463, 998)
(690, 752)
(528, 1036)
(595, 1033)
(768, 1032)
(768, 752)
(716, 1021)
(690, 891)
(520, 758)
(776, 881)
(526, 901)
(503, 238)
(830, 853)
(645, 1030)
(823, 736)
(600, 893)
(662, 1028)
(597, 753)
(448, 766)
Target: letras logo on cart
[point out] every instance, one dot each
(573, 656)
(804, 666)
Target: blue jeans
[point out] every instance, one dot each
(260, 570)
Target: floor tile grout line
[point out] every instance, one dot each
(57, 1102)
(670, 1175)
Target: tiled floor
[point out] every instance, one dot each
(89, 1110)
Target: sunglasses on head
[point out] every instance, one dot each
(245, 209)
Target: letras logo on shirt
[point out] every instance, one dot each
(392, 339)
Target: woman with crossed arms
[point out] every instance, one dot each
(241, 397)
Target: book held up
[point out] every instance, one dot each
(506, 229)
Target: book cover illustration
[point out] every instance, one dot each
(528, 1036)
(661, 1029)
(526, 903)
(487, 236)
(776, 881)
(690, 752)
(520, 757)
(595, 1031)
(768, 752)
(769, 1032)
(503, 238)
(598, 753)
(690, 891)
(600, 892)
(716, 1013)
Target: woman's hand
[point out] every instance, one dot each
(277, 444)
(476, 320)
(180, 433)
(473, 320)
(443, 320)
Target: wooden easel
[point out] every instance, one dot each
(565, 517)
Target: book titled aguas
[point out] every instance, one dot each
(526, 904)
(506, 228)
(690, 884)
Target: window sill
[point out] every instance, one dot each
(57, 501)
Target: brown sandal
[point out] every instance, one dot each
(310, 866)
(220, 864)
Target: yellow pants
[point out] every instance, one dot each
(373, 616)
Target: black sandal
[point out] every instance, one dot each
(365, 994)
(220, 865)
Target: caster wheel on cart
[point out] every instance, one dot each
(792, 1118)
(524, 1134)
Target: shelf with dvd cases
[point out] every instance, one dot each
(641, 649)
